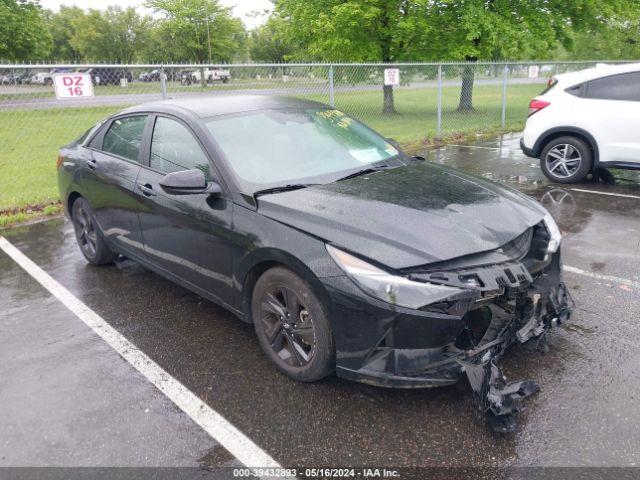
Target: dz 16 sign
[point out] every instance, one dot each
(73, 85)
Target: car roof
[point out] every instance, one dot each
(211, 106)
(599, 71)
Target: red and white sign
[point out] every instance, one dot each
(392, 76)
(73, 85)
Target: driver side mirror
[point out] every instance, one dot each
(188, 182)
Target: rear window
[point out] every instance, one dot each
(124, 137)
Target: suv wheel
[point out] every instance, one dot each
(566, 160)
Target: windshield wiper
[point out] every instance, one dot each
(284, 188)
(364, 171)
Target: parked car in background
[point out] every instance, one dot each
(584, 121)
(108, 75)
(152, 76)
(46, 78)
(19, 78)
(210, 76)
(41, 78)
(344, 252)
(185, 77)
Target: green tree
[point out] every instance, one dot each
(357, 30)
(423, 30)
(115, 35)
(23, 34)
(198, 30)
(473, 30)
(269, 44)
(618, 40)
(60, 26)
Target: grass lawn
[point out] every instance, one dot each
(30, 139)
(29, 143)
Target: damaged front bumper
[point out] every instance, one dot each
(431, 348)
(439, 345)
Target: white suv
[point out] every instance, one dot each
(584, 121)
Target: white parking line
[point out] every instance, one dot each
(624, 195)
(600, 276)
(237, 443)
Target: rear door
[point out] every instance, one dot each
(187, 235)
(610, 110)
(108, 180)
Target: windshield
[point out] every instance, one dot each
(280, 147)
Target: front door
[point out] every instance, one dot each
(187, 235)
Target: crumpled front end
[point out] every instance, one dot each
(517, 300)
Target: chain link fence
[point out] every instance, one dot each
(431, 100)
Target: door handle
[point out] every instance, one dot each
(92, 164)
(147, 189)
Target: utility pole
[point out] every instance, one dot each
(208, 37)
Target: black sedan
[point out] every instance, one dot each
(345, 253)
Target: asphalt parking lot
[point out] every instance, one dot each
(69, 399)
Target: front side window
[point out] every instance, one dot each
(624, 87)
(124, 137)
(279, 147)
(174, 148)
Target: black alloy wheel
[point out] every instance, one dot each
(288, 326)
(292, 325)
(90, 239)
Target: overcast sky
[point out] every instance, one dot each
(241, 8)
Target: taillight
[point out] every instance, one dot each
(536, 105)
(59, 161)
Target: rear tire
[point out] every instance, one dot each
(566, 160)
(90, 239)
(292, 325)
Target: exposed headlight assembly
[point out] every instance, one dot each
(554, 232)
(390, 288)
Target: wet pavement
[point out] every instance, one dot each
(69, 400)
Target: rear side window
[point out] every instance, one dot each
(124, 137)
(174, 148)
(624, 87)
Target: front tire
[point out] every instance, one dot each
(292, 325)
(90, 239)
(566, 160)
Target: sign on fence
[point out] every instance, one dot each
(73, 85)
(534, 71)
(392, 76)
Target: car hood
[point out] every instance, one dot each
(407, 216)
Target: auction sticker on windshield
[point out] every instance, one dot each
(73, 85)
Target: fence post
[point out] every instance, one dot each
(332, 102)
(163, 83)
(439, 127)
(505, 77)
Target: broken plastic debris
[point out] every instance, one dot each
(496, 398)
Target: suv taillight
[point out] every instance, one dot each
(59, 161)
(536, 105)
